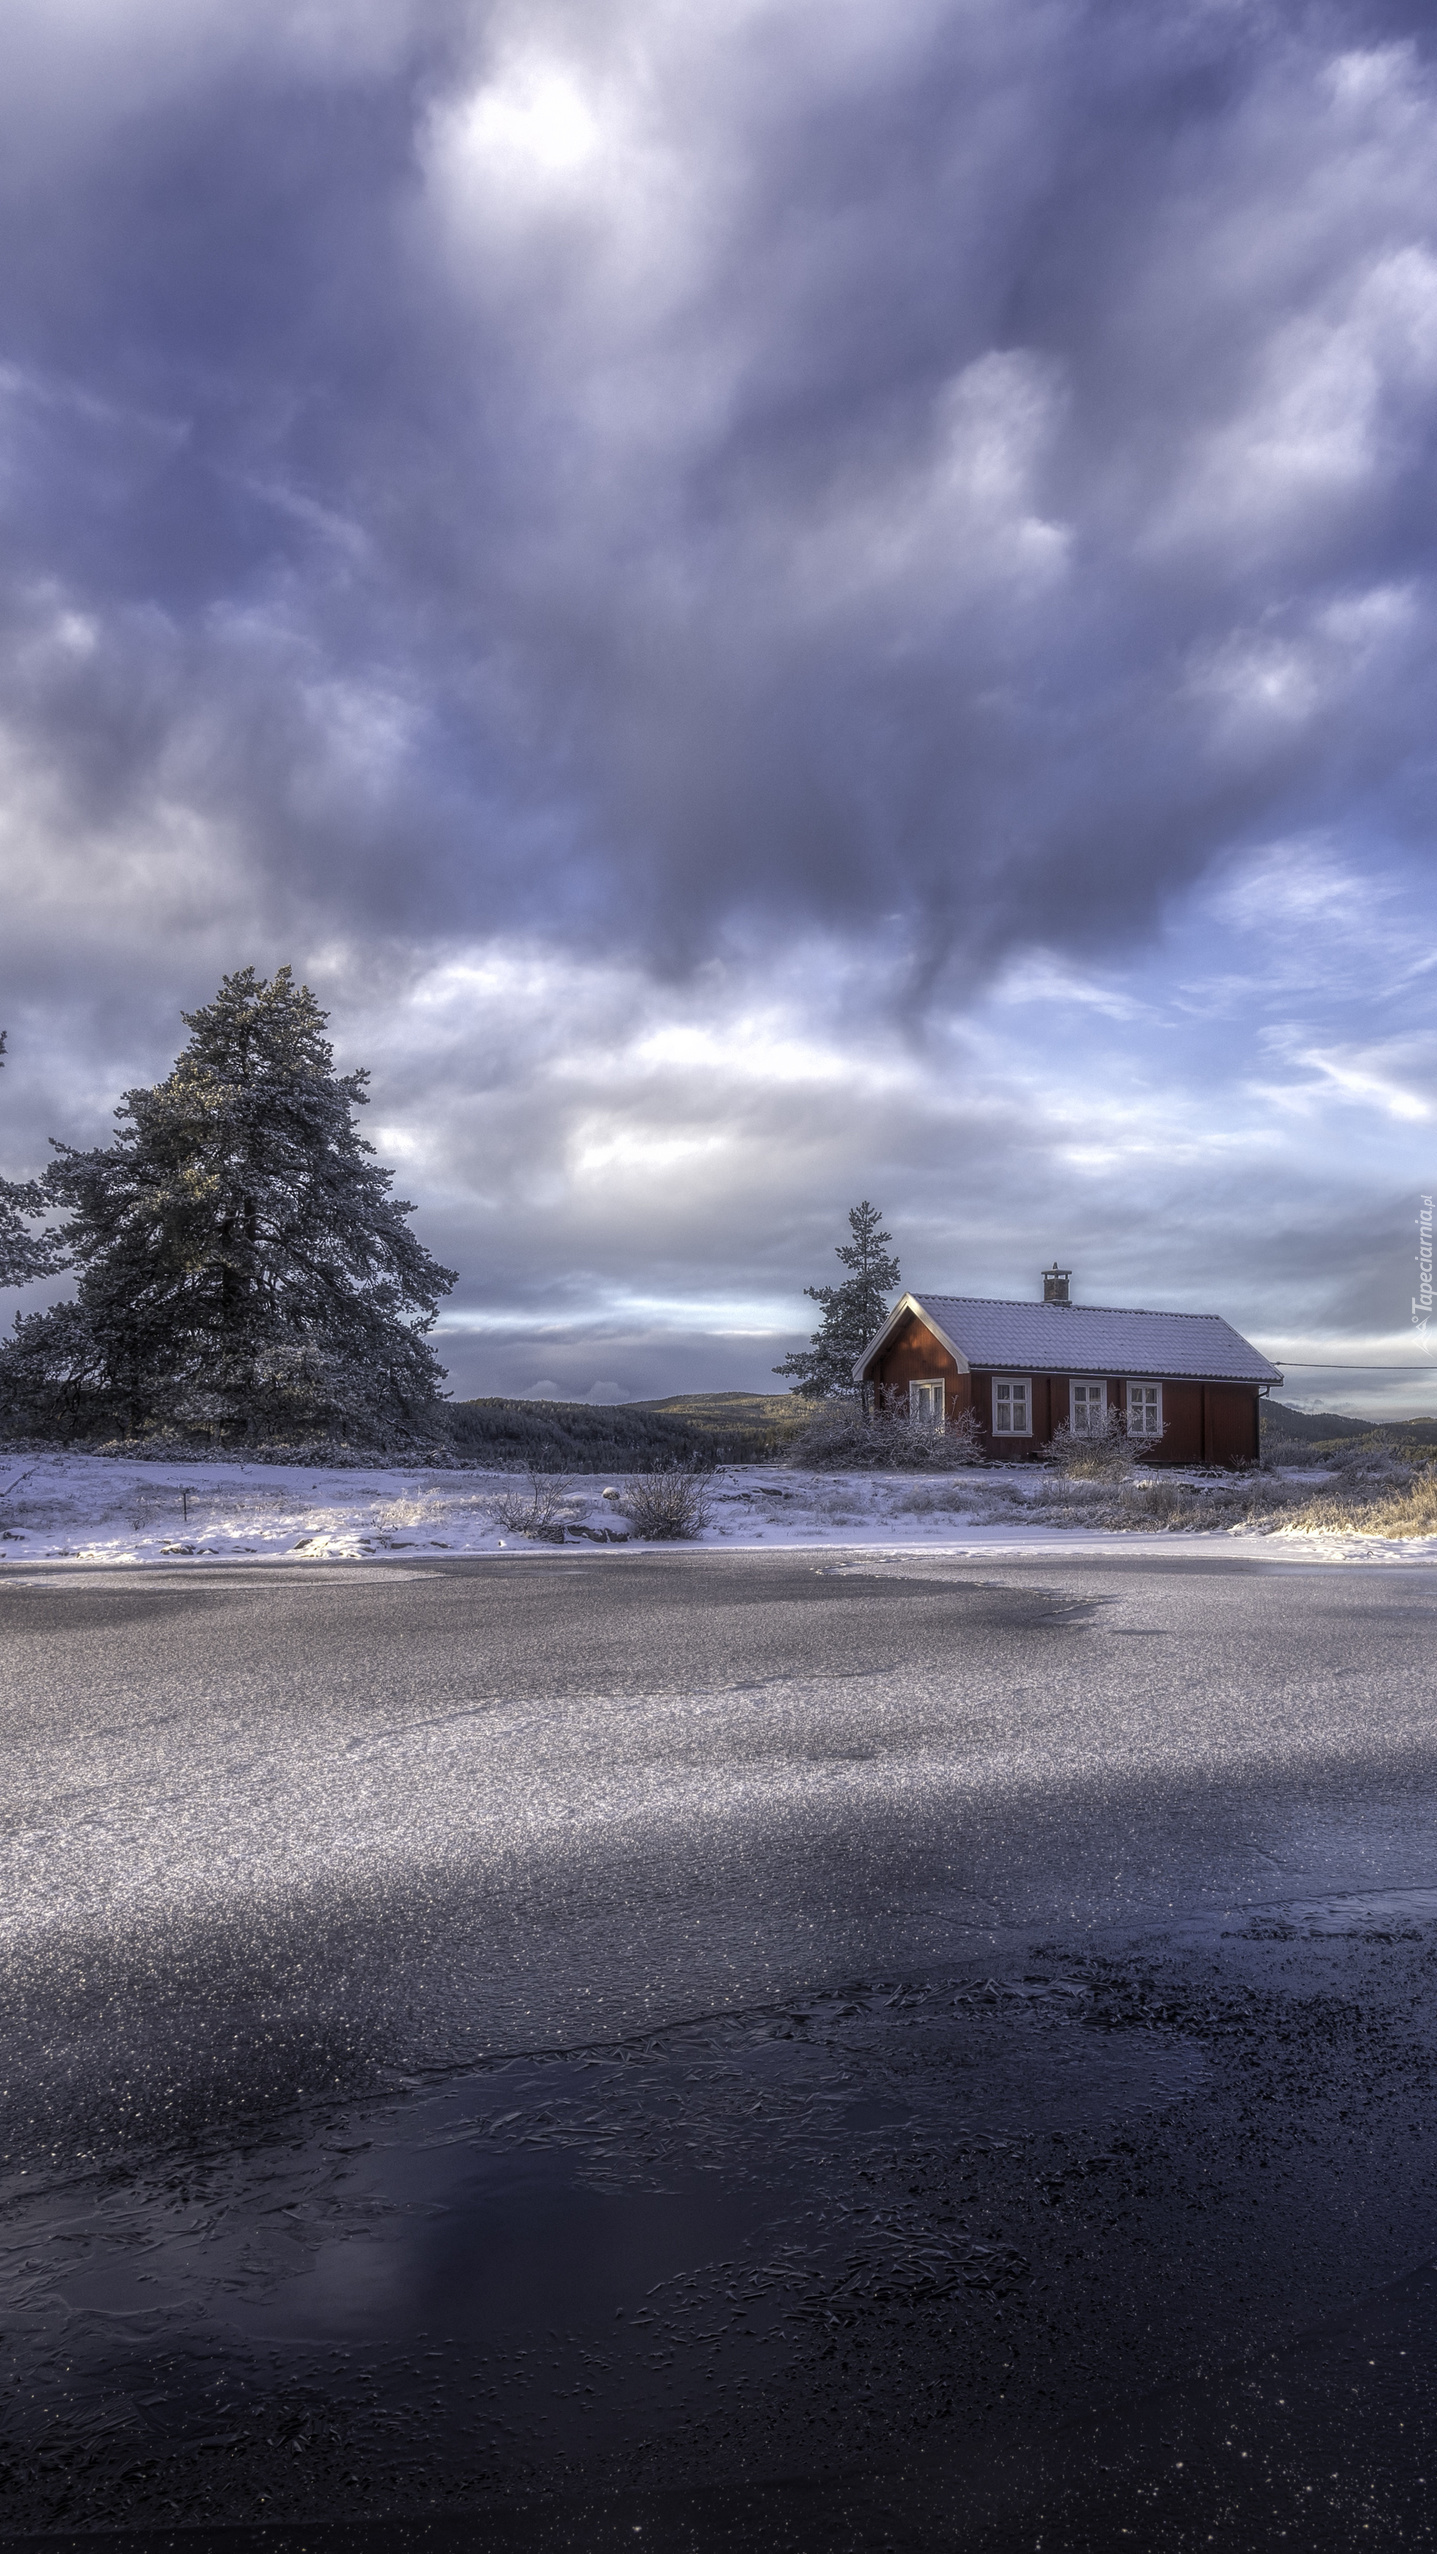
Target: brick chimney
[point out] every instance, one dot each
(1055, 1284)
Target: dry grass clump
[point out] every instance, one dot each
(1405, 1510)
(666, 1507)
(841, 1436)
(1243, 1498)
(953, 1498)
(1146, 1504)
(1152, 1505)
(59, 1514)
(417, 1510)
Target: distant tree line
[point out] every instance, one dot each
(243, 1270)
(571, 1436)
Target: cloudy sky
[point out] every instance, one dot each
(774, 601)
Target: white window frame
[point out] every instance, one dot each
(927, 1405)
(1144, 1432)
(1012, 1384)
(1086, 1384)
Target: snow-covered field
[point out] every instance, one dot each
(90, 1508)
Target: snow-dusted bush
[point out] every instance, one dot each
(1372, 1459)
(666, 1507)
(842, 1437)
(1093, 1454)
(536, 1514)
(417, 1510)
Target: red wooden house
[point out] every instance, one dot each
(1186, 1384)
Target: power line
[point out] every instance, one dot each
(1353, 1366)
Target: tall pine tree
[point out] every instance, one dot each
(23, 1255)
(852, 1311)
(243, 1267)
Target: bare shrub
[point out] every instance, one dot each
(536, 1515)
(1093, 1454)
(1372, 1459)
(666, 1507)
(1166, 1504)
(842, 1437)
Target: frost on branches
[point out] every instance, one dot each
(243, 1269)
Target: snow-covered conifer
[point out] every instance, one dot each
(243, 1267)
(23, 1255)
(852, 1311)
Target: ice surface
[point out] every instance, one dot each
(479, 2028)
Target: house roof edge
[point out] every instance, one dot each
(1221, 1355)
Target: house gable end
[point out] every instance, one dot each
(908, 1309)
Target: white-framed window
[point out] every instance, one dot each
(1012, 1406)
(1145, 1409)
(925, 1404)
(1088, 1404)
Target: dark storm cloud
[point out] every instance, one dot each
(774, 602)
(643, 474)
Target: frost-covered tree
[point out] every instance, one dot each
(23, 1255)
(852, 1311)
(243, 1266)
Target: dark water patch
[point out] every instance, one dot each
(1325, 2446)
(1377, 1915)
(986, 1604)
(878, 2248)
(542, 2265)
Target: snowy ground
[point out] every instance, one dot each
(90, 1508)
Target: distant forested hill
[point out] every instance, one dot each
(1327, 1429)
(632, 1436)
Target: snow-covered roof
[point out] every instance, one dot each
(1079, 1339)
